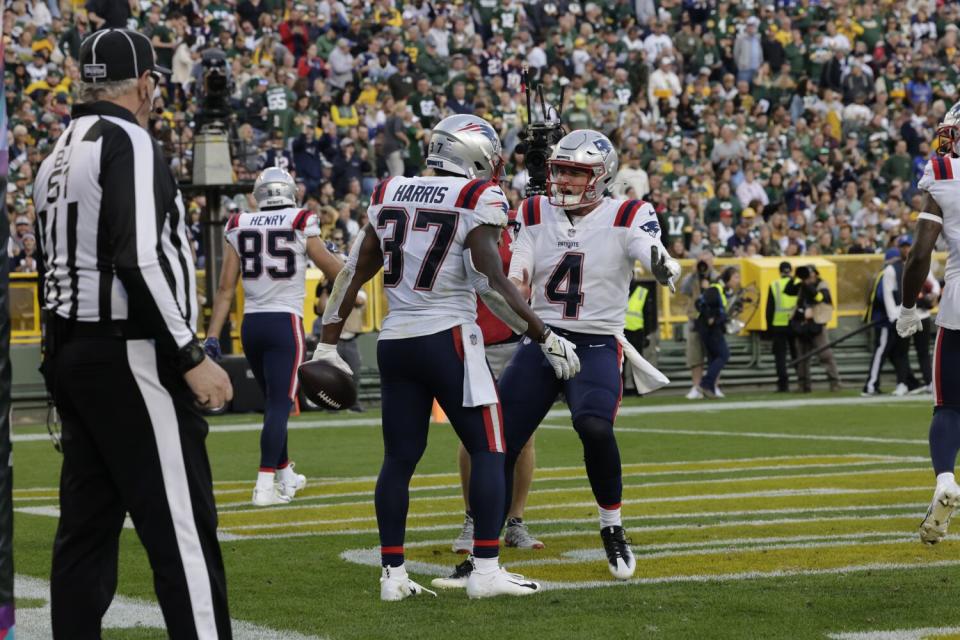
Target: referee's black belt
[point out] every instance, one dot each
(75, 329)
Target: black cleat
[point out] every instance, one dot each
(620, 558)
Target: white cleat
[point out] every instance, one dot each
(620, 558)
(718, 393)
(694, 393)
(499, 582)
(396, 585)
(268, 497)
(900, 391)
(464, 542)
(946, 498)
(290, 482)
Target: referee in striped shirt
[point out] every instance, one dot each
(122, 359)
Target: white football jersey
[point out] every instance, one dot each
(272, 246)
(422, 224)
(580, 267)
(938, 180)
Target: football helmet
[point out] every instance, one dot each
(275, 187)
(467, 146)
(948, 132)
(585, 150)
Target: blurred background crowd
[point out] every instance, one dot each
(798, 127)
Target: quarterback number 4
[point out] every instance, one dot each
(564, 286)
(445, 223)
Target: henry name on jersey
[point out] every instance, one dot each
(580, 267)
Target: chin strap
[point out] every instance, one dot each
(331, 315)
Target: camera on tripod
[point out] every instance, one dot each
(216, 88)
(538, 138)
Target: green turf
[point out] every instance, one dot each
(302, 583)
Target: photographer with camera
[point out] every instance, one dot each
(808, 325)
(692, 287)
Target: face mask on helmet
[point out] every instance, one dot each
(948, 138)
(572, 185)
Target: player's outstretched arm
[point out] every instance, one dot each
(485, 271)
(365, 260)
(329, 263)
(917, 267)
(229, 274)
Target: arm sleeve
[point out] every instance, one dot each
(643, 235)
(137, 191)
(926, 180)
(889, 285)
(522, 247)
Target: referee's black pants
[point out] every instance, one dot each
(133, 442)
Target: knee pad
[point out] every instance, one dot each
(593, 428)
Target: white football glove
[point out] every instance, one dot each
(908, 322)
(328, 353)
(664, 268)
(562, 355)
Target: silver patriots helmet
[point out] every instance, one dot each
(275, 187)
(467, 146)
(948, 132)
(583, 150)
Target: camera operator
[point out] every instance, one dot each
(692, 287)
(809, 326)
(712, 327)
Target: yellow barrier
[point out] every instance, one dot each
(849, 277)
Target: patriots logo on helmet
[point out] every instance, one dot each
(504, 206)
(604, 146)
(651, 227)
(485, 129)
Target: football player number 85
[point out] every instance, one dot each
(393, 239)
(250, 244)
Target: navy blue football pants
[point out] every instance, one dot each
(414, 371)
(273, 344)
(529, 387)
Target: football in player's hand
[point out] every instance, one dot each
(327, 386)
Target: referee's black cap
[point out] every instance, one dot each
(117, 54)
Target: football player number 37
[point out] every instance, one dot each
(445, 224)
(565, 284)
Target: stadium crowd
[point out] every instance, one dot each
(795, 128)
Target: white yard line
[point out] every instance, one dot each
(909, 508)
(371, 558)
(900, 634)
(634, 530)
(762, 434)
(124, 613)
(308, 500)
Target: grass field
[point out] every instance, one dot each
(753, 517)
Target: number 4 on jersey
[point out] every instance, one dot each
(564, 285)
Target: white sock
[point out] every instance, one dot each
(945, 478)
(265, 480)
(610, 517)
(486, 565)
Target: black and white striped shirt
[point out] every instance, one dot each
(112, 231)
